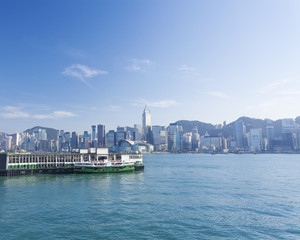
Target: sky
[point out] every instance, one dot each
(70, 64)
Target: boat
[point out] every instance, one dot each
(112, 163)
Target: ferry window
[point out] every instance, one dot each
(101, 158)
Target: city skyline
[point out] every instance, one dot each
(243, 135)
(68, 65)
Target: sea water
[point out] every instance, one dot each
(177, 196)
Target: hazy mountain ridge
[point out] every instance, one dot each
(188, 125)
(51, 132)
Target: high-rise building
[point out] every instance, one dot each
(174, 137)
(146, 123)
(195, 139)
(164, 139)
(37, 133)
(121, 134)
(240, 133)
(8, 143)
(67, 140)
(93, 132)
(43, 134)
(186, 142)
(74, 140)
(101, 135)
(137, 132)
(111, 138)
(94, 142)
(255, 137)
(156, 137)
(270, 136)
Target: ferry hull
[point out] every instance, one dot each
(112, 169)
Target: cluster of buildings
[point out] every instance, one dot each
(278, 136)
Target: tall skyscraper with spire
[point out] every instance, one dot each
(146, 123)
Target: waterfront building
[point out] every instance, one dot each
(93, 132)
(130, 133)
(163, 140)
(209, 143)
(74, 141)
(156, 137)
(43, 146)
(101, 135)
(173, 138)
(26, 142)
(16, 139)
(160, 138)
(37, 134)
(86, 140)
(94, 143)
(255, 139)
(186, 142)
(289, 141)
(121, 134)
(111, 139)
(137, 136)
(43, 134)
(132, 146)
(8, 143)
(67, 139)
(195, 139)
(240, 133)
(81, 142)
(270, 136)
(146, 123)
(288, 125)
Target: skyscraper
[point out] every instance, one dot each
(101, 135)
(146, 123)
(74, 140)
(93, 132)
(94, 142)
(240, 132)
(137, 132)
(256, 139)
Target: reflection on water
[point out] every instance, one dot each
(177, 196)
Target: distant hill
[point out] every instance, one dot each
(51, 132)
(227, 130)
(202, 127)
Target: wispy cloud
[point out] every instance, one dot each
(274, 86)
(138, 65)
(219, 94)
(54, 115)
(17, 112)
(82, 72)
(156, 104)
(14, 112)
(188, 71)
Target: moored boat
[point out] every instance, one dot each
(111, 163)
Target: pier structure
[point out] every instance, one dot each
(27, 163)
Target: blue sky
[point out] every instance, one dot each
(71, 64)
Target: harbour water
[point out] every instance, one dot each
(177, 196)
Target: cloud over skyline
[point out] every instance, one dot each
(82, 72)
(13, 112)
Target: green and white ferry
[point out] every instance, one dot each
(92, 160)
(111, 163)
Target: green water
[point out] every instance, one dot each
(177, 196)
